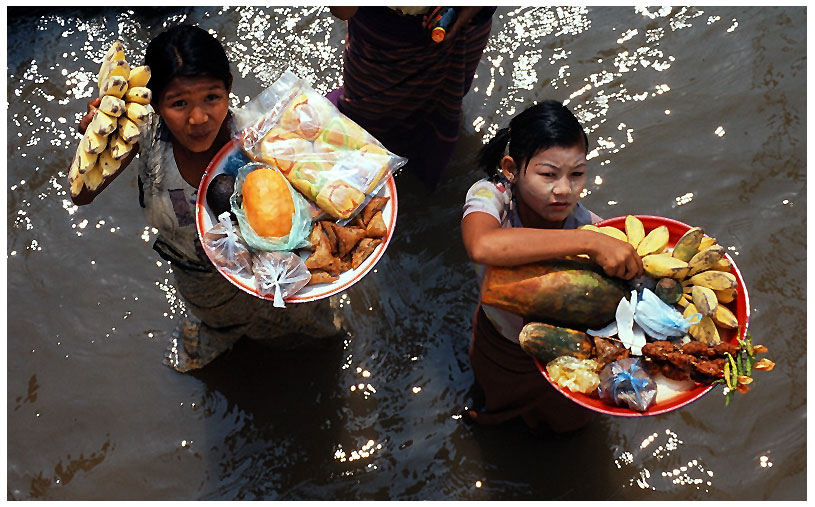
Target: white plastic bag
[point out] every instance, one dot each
(280, 274)
(659, 320)
(227, 249)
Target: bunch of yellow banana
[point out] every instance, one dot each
(115, 128)
(696, 261)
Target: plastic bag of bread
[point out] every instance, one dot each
(327, 157)
(271, 214)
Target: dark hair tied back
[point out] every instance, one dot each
(538, 127)
(185, 51)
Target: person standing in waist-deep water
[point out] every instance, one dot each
(404, 88)
(190, 83)
(527, 210)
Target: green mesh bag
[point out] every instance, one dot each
(301, 221)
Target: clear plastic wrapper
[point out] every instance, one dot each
(279, 274)
(301, 219)
(578, 375)
(224, 244)
(626, 383)
(327, 157)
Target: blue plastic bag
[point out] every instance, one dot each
(660, 320)
(625, 382)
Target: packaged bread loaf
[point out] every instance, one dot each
(328, 158)
(271, 214)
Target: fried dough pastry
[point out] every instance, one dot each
(376, 227)
(375, 204)
(363, 250)
(338, 248)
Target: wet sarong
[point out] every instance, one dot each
(407, 90)
(513, 386)
(217, 312)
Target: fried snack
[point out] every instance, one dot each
(319, 276)
(347, 239)
(329, 228)
(339, 248)
(268, 203)
(376, 227)
(322, 255)
(364, 249)
(345, 264)
(314, 238)
(700, 363)
(374, 205)
(609, 351)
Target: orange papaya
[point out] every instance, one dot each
(547, 342)
(568, 292)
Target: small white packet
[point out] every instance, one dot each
(280, 274)
(227, 249)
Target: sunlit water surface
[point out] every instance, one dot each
(697, 114)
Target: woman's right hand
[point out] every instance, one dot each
(617, 258)
(93, 105)
(87, 196)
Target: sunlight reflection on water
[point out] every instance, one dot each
(628, 81)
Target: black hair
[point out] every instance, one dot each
(538, 127)
(185, 51)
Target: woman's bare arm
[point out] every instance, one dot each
(488, 243)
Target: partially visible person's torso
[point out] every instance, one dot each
(495, 199)
(167, 199)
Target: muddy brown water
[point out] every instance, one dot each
(697, 114)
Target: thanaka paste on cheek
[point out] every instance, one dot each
(547, 190)
(576, 188)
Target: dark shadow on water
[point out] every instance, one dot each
(526, 464)
(283, 411)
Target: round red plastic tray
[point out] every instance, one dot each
(741, 308)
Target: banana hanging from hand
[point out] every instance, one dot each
(115, 129)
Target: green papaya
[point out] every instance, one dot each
(547, 342)
(569, 292)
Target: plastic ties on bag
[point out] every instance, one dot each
(280, 274)
(660, 320)
(226, 247)
(625, 382)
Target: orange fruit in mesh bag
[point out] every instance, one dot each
(268, 203)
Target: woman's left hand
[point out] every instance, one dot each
(465, 14)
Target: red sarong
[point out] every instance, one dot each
(407, 90)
